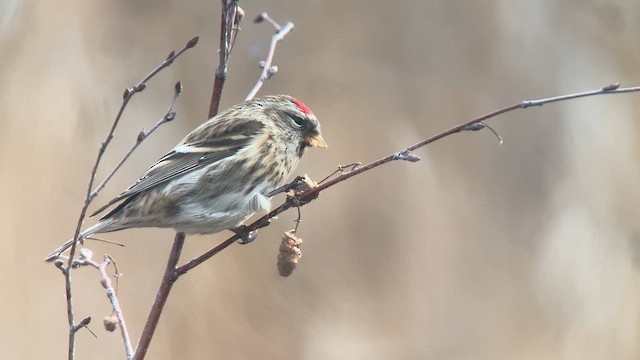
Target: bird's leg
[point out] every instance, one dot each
(286, 187)
(246, 235)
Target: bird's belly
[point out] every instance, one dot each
(226, 212)
(209, 223)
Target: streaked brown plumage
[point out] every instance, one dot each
(221, 172)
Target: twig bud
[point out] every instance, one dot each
(84, 322)
(289, 254)
(611, 87)
(262, 17)
(192, 42)
(139, 87)
(178, 87)
(410, 157)
(481, 125)
(141, 136)
(126, 93)
(171, 54)
(59, 263)
(474, 127)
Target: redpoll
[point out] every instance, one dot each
(220, 174)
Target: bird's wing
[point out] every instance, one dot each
(185, 158)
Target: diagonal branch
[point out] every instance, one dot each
(404, 154)
(163, 294)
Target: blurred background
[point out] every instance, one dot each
(527, 250)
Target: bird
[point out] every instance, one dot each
(220, 174)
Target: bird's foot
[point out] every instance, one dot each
(246, 235)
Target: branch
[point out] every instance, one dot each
(231, 16)
(161, 298)
(90, 195)
(267, 72)
(228, 32)
(267, 69)
(404, 154)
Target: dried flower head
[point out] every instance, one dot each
(305, 183)
(289, 254)
(110, 322)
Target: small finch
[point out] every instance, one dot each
(220, 174)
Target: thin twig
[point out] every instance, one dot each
(105, 280)
(168, 116)
(265, 17)
(267, 69)
(340, 169)
(113, 298)
(404, 154)
(128, 94)
(86, 260)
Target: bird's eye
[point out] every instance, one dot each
(297, 119)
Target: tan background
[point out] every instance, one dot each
(523, 251)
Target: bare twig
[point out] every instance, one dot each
(404, 154)
(142, 135)
(105, 280)
(341, 169)
(113, 298)
(90, 195)
(105, 241)
(267, 69)
(610, 89)
(231, 16)
(265, 17)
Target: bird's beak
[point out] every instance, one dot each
(315, 140)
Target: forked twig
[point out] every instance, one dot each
(142, 135)
(268, 70)
(105, 280)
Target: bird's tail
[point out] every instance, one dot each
(103, 226)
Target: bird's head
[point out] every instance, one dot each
(296, 119)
